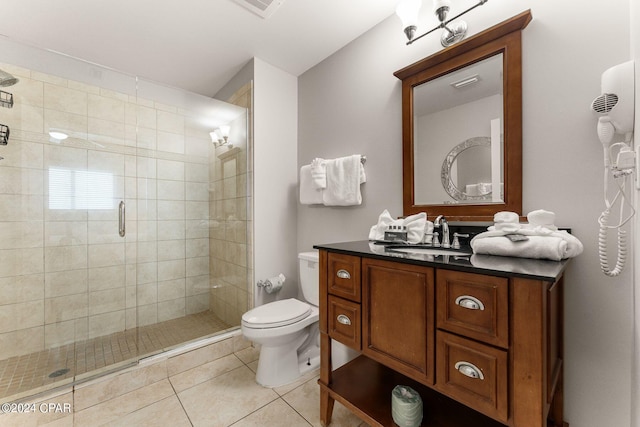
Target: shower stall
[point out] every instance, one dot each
(124, 230)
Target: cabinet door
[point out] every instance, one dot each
(398, 317)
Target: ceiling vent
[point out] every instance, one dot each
(262, 8)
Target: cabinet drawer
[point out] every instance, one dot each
(344, 276)
(473, 305)
(472, 373)
(344, 322)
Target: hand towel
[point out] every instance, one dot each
(344, 176)
(308, 194)
(319, 173)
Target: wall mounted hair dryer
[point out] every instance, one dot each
(616, 106)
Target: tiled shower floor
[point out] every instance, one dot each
(39, 371)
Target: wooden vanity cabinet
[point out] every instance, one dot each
(481, 350)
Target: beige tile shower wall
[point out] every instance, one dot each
(66, 274)
(231, 222)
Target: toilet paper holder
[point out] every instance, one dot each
(273, 284)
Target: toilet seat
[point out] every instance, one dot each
(276, 314)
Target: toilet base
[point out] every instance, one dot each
(280, 365)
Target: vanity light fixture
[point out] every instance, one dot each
(407, 11)
(220, 136)
(467, 81)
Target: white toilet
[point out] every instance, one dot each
(287, 330)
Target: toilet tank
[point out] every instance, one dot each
(309, 281)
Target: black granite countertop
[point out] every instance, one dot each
(476, 263)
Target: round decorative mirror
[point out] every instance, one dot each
(466, 171)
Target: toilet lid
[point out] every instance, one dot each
(277, 313)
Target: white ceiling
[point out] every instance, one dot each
(197, 45)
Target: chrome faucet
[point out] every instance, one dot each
(441, 222)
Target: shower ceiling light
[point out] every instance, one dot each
(407, 11)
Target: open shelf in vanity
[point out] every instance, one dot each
(364, 386)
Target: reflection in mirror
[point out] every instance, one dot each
(467, 174)
(463, 105)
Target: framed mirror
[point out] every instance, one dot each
(462, 127)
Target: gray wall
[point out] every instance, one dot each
(350, 103)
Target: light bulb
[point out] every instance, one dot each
(224, 131)
(407, 11)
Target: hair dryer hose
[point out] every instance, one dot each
(602, 247)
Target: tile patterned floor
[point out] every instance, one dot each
(42, 370)
(218, 393)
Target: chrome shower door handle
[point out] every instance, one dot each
(121, 219)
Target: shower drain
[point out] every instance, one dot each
(58, 373)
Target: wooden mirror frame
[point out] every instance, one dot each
(504, 38)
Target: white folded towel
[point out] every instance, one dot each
(309, 195)
(472, 189)
(542, 218)
(416, 225)
(506, 227)
(319, 173)
(484, 188)
(540, 244)
(506, 216)
(344, 176)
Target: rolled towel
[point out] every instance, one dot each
(541, 217)
(506, 216)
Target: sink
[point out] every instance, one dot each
(422, 250)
